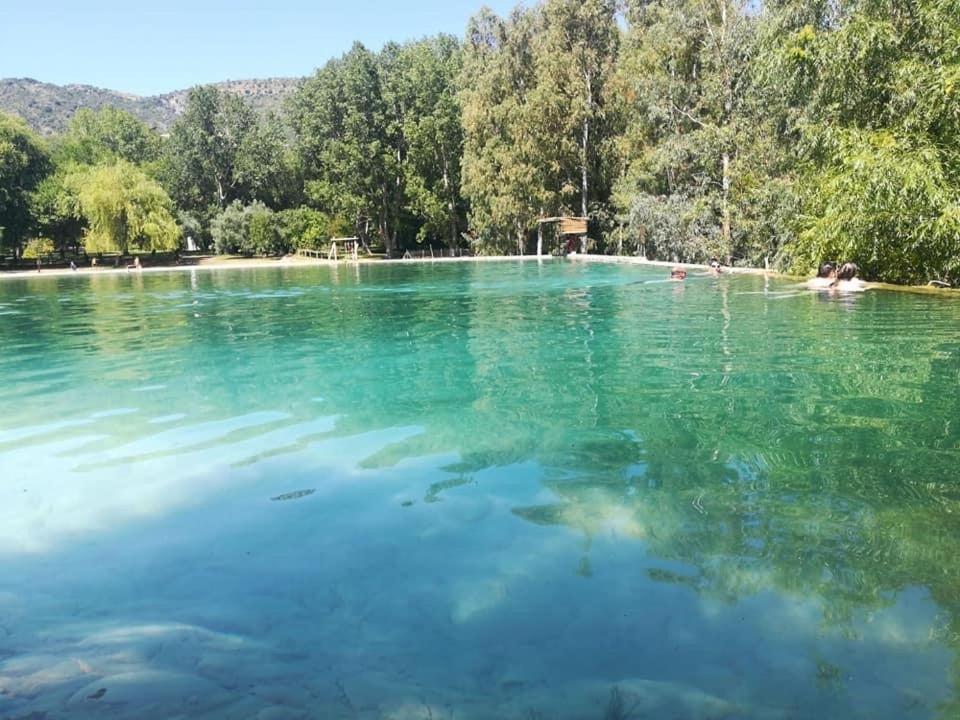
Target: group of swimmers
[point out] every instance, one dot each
(679, 273)
(842, 279)
(829, 276)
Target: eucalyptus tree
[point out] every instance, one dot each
(501, 171)
(688, 73)
(419, 86)
(575, 56)
(24, 162)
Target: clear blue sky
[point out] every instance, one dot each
(149, 48)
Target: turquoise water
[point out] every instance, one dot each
(476, 490)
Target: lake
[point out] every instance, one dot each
(457, 491)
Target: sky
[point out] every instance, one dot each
(174, 44)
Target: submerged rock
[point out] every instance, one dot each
(295, 495)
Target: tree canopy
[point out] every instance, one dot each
(125, 210)
(24, 162)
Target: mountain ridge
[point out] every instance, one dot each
(48, 107)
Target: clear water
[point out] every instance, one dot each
(492, 490)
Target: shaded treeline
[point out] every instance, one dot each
(788, 132)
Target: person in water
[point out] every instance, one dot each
(846, 279)
(678, 273)
(715, 267)
(826, 276)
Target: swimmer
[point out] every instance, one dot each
(714, 268)
(678, 273)
(826, 277)
(847, 280)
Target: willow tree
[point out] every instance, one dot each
(881, 180)
(124, 209)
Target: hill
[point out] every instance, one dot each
(48, 108)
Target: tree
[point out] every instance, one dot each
(419, 87)
(880, 178)
(688, 73)
(252, 229)
(24, 163)
(125, 211)
(350, 166)
(575, 56)
(305, 227)
(107, 134)
(56, 211)
(501, 178)
(219, 152)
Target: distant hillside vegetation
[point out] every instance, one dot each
(48, 108)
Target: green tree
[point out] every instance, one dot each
(99, 136)
(880, 173)
(219, 151)
(688, 78)
(125, 210)
(263, 233)
(252, 229)
(304, 227)
(501, 174)
(56, 211)
(351, 167)
(419, 81)
(575, 57)
(24, 162)
(229, 229)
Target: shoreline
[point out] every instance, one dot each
(215, 262)
(234, 263)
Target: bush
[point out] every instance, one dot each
(248, 230)
(38, 248)
(304, 228)
(229, 229)
(263, 237)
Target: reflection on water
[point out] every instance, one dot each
(530, 490)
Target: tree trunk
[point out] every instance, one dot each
(451, 205)
(725, 203)
(584, 148)
(384, 228)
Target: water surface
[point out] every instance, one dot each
(493, 490)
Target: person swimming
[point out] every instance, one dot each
(846, 279)
(678, 273)
(826, 277)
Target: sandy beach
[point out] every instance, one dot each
(215, 262)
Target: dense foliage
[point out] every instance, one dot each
(787, 132)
